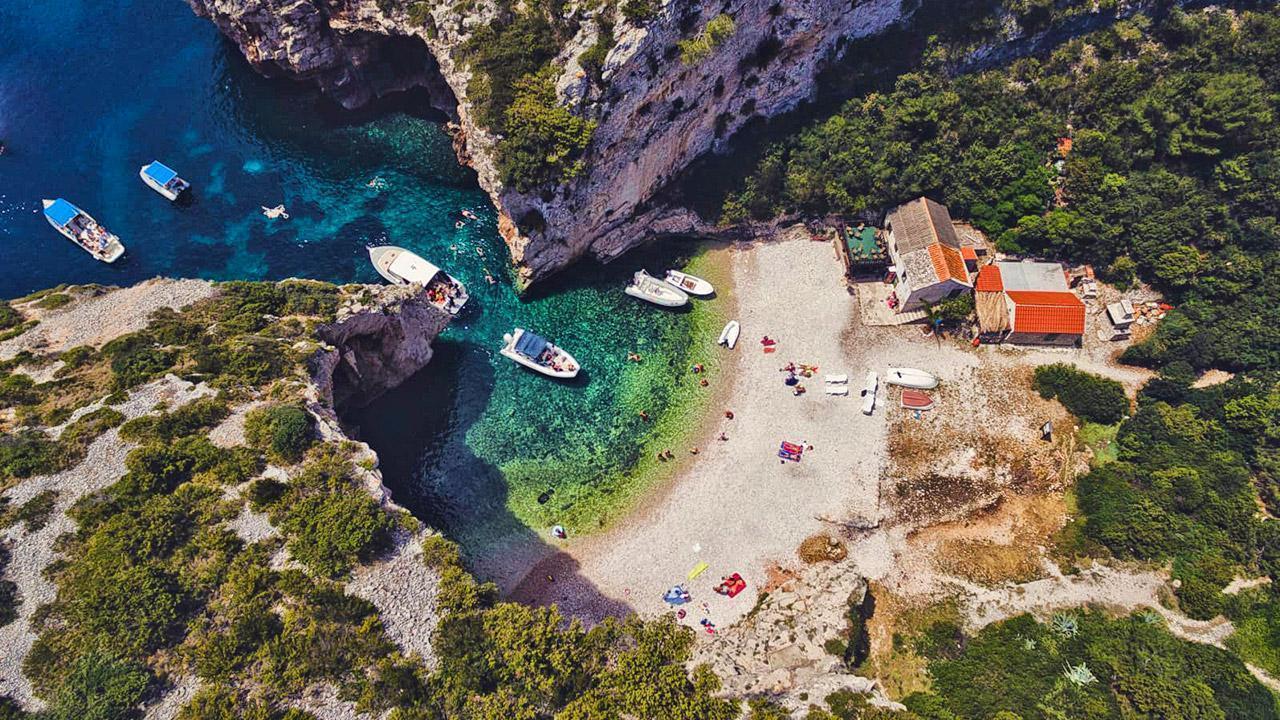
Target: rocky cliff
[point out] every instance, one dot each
(655, 111)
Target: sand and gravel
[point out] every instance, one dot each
(98, 319)
(737, 507)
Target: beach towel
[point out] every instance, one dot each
(793, 457)
(792, 448)
(698, 570)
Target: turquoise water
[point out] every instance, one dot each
(91, 91)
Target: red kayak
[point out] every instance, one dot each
(916, 400)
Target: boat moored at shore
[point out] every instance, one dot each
(690, 284)
(163, 179)
(910, 378)
(401, 267)
(538, 354)
(650, 289)
(80, 228)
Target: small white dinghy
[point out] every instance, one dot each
(402, 267)
(163, 179)
(538, 354)
(910, 378)
(650, 289)
(690, 284)
(729, 335)
(80, 228)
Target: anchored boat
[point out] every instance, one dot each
(401, 267)
(911, 378)
(651, 289)
(80, 228)
(689, 284)
(163, 179)
(538, 354)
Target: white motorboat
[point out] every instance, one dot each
(690, 284)
(538, 354)
(163, 179)
(869, 393)
(729, 336)
(80, 228)
(402, 267)
(651, 289)
(910, 378)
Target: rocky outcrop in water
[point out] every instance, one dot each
(374, 345)
(655, 112)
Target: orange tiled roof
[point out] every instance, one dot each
(968, 253)
(989, 279)
(1037, 311)
(948, 264)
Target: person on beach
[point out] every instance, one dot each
(703, 382)
(798, 391)
(728, 414)
(723, 437)
(693, 451)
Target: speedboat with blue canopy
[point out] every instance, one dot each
(538, 354)
(80, 228)
(401, 267)
(163, 179)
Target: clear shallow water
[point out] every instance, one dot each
(471, 439)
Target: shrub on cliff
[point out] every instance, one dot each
(1089, 397)
(699, 47)
(196, 415)
(501, 54)
(544, 142)
(136, 358)
(100, 687)
(284, 432)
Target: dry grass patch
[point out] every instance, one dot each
(894, 629)
(822, 548)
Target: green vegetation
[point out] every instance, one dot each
(30, 452)
(53, 301)
(33, 514)
(331, 521)
(1087, 666)
(199, 414)
(700, 47)
(638, 11)
(513, 92)
(1090, 397)
(8, 596)
(1182, 488)
(1172, 173)
(544, 142)
(284, 432)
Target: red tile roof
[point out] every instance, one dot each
(968, 253)
(1037, 311)
(989, 279)
(948, 264)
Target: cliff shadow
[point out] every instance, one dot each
(419, 431)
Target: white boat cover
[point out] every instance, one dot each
(413, 268)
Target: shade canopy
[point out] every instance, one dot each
(61, 212)
(531, 345)
(160, 172)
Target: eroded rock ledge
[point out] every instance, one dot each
(655, 113)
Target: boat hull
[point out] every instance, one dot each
(508, 351)
(729, 336)
(911, 378)
(114, 250)
(689, 284)
(382, 257)
(650, 289)
(916, 400)
(164, 192)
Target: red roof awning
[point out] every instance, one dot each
(1046, 312)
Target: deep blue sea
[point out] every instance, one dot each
(91, 91)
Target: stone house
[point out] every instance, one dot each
(926, 252)
(1027, 303)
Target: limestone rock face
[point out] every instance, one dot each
(655, 113)
(374, 346)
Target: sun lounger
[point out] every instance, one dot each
(837, 389)
(837, 379)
